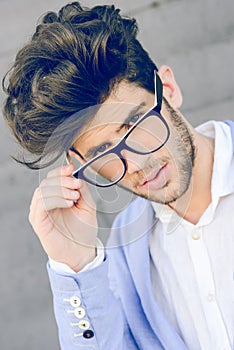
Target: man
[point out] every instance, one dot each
(85, 86)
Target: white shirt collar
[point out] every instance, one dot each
(222, 182)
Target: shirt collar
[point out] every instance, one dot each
(222, 183)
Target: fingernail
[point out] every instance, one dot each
(76, 194)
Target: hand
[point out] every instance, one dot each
(63, 215)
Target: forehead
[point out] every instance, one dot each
(123, 99)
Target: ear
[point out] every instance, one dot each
(171, 90)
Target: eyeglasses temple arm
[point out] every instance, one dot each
(76, 152)
(158, 90)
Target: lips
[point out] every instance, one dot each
(150, 176)
(155, 179)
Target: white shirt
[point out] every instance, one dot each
(192, 265)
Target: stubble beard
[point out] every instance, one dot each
(181, 156)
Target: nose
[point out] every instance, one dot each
(134, 161)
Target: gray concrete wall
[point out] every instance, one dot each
(196, 38)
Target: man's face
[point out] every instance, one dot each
(161, 176)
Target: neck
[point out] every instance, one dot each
(197, 198)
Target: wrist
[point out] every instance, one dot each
(68, 267)
(84, 260)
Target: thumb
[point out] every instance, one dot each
(85, 201)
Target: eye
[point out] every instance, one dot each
(130, 121)
(98, 150)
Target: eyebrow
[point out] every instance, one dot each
(131, 113)
(134, 111)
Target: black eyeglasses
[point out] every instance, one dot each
(147, 135)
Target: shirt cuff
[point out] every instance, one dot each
(63, 268)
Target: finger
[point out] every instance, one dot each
(58, 191)
(40, 207)
(43, 194)
(37, 212)
(43, 215)
(36, 197)
(65, 184)
(86, 200)
(64, 181)
(51, 203)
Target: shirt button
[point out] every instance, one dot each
(84, 324)
(88, 334)
(196, 235)
(79, 312)
(75, 301)
(211, 297)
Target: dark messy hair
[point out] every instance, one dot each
(72, 62)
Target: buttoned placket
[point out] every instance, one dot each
(202, 271)
(205, 281)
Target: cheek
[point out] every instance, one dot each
(111, 167)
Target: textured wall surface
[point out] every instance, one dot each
(196, 38)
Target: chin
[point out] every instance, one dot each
(173, 189)
(166, 195)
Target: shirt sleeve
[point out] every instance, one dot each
(63, 268)
(85, 307)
